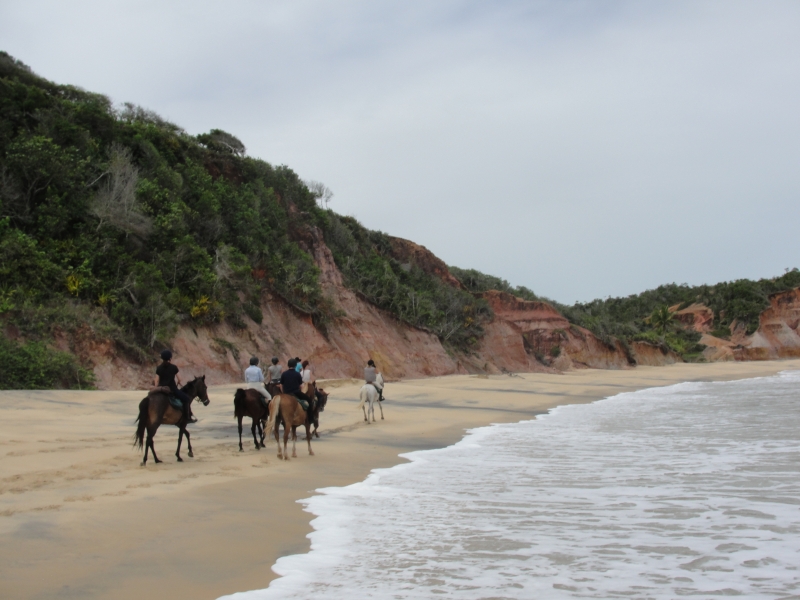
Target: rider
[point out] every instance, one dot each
(254, 378)
(309, 377)
(167, 376)
(371, 376)
(291, 381)
(275, 371)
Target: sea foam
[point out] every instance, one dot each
(687, 490)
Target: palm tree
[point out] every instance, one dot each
(661, 319)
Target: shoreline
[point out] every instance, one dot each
(74, 503)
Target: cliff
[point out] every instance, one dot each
(523, 336)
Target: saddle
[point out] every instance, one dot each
(303, 403)
(163, 389)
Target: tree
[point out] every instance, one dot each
(661, 319)
(115, 203)
(320, 191)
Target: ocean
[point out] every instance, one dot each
(687, 490)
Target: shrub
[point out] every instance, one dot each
(32, 365)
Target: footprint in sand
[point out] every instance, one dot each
(139, 485)
(120, 493)
(78, 498)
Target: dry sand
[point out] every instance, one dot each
(79, 518)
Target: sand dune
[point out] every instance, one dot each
(79, 518)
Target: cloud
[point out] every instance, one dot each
(582, 149)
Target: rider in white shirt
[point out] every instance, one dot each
(254, 378)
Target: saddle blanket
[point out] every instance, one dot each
(303, 403)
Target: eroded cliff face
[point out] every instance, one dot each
(548, 337)
(524, 336)
(222, 352)
(409, 253)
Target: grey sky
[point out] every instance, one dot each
(582, 149)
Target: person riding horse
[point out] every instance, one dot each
(370, 376)
(167, 376)
(275, 371)
(254, 378)
(291, 381)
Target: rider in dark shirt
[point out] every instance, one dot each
(291, 381)
(167, 376)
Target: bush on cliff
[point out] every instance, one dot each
(364, 257)
(121, 210)
(32, 366)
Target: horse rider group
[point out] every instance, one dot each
(290, 381)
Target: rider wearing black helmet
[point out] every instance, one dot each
(274, 371)
(167, 376)
(291, 381)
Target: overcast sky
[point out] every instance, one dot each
(580, 148)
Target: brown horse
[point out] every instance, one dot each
(250, 403)
(156, 410)
(286, 409)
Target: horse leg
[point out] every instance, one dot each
(260, 428)
(294, 442)
(380, 405)
(278, 434)
(189, 443)
(180, 439)
(308, 438)
(151, 433)
(364, 408)
(253, 431)
(146, 449)
(286, 430)
(240, 434)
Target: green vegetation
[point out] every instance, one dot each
(365, 259)
(115, 219)
(33, 365)
(120, 210)
(644, 316)
(476, 282)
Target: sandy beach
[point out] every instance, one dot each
(79, 518)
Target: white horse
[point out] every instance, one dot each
(370, 394)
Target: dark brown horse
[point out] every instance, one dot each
(273, 388)
(322, 400)
(250, 403)
(286, 409)
(156, 410)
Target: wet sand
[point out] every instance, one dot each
(79, 518)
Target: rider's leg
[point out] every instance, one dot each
(186, 401)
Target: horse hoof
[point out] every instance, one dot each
(311, 453)
(158, 461)
(241, 449)
(191, 454)
(180, 459)
(142, 464)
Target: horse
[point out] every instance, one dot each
(321, 402)
(155, 410)
(370, 394)
(248, 403)
(273, 388)
(286, 408)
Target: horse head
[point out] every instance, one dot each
(323, 400)
(201, 389)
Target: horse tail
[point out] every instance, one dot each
(364, 396)
(138, 437)
(239, 399)
(274, 409)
